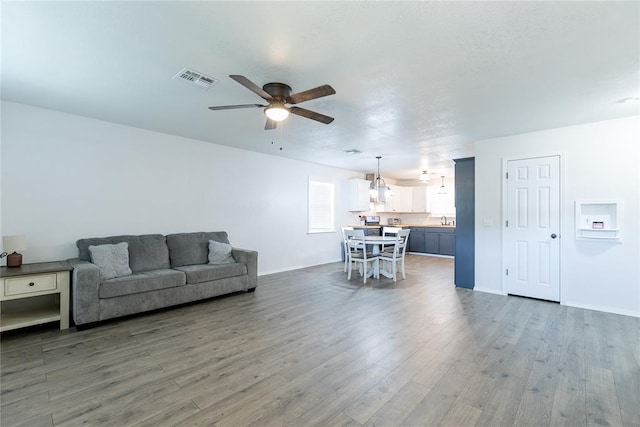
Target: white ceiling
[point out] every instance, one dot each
(416, 82)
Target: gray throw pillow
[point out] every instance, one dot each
(112, 260)
(220, 253)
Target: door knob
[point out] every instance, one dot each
(554, 235)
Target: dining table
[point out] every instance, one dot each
(376, 242)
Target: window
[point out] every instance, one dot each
(321, 207)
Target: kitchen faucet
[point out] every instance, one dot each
(443, 220)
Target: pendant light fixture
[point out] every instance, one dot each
(442, 189)
(379, 191)
(424, 177)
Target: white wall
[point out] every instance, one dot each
(598, 161)
(66, 177)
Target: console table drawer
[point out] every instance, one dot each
(30, 284)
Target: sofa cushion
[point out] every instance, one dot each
(112, 260)
(146, 252)
(141, 282)
(220, 253)
(206, 272)
(192, 248)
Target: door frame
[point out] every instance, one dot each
(563, 234)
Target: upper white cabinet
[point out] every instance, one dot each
(598, 220)
(387, 204)
(401, 199)
(405, 200)
(419, 200)
(359, 195)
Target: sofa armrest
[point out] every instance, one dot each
(250, 258)
(85, 282)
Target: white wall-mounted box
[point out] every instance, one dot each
(598, 220)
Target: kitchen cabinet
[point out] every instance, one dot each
(402, 200)
(447, 244)
(385, 206)
(464, 270)
(419, 199)
(406, 200)
(432, 240)
(416, 240)
(358, 195)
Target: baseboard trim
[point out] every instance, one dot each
(601, 308)
(488, 290)
(433, 255)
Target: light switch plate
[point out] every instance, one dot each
(487, 223)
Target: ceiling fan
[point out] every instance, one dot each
(278, 95)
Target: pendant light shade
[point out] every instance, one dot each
(442, 189)
(379, 190)
(424, 177)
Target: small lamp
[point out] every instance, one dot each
(277, 112)
(15, 244)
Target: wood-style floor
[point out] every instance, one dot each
(310, 348)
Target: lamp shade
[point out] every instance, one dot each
(424, 177)
(277, 113)
(442, 189)
(14, 243)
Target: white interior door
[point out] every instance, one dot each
(532, 230)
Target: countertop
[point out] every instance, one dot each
(426, 225)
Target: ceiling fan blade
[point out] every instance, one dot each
(270, 124)
(233, 107)
(311, 115)
(251, 86)
(310, 94)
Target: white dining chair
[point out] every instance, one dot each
(345, 244)
(358, 254)
(389, 231)
(398, 254)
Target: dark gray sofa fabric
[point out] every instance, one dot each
(146, 252)
(204, 272)
(141, 282)
(192, 248)
(149, 289)
(110, 308)
(85, 286)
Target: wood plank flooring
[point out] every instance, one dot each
(310, 348)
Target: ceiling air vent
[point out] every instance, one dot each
(196, 78)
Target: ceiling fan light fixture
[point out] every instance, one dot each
(424, 177)
(277, 112)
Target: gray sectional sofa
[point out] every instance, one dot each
(164, 271)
